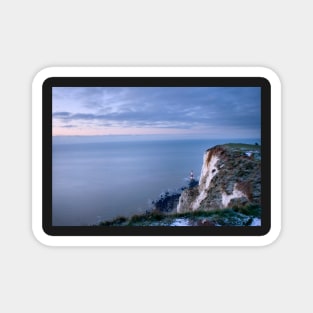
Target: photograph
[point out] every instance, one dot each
(156, 156)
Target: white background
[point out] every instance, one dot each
(37, 34)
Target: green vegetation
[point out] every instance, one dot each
(242, 146)
(227, 217)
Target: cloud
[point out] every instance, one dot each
(69, 126)
(61, 114)
(161, 107)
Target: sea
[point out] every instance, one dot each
(98, 180)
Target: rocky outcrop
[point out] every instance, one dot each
(230, 177)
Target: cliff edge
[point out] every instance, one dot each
(230, 177)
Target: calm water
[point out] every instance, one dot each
(99, 181)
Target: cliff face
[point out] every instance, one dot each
(230, 177)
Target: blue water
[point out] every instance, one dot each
(99, 181)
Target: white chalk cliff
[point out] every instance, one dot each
(230, 176)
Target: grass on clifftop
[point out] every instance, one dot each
(243, 146)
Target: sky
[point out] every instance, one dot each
(200, 112)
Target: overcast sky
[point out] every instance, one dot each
(204, 112)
